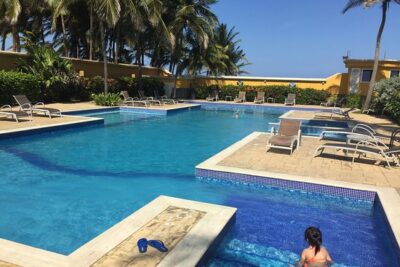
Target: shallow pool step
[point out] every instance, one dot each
(239, 253)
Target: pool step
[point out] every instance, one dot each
(239, 253)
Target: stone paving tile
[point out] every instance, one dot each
(6, 264)
(170, 226)
(333, 165)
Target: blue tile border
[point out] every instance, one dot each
(282, 183)
(254, 107)
(90, 111)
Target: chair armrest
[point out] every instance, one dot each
(299, 137)
(6, 106)
(39, 104)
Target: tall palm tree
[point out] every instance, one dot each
(11, 9)
(60, 9)
(196, 17)
(384, 5)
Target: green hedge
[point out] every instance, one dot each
(306, 96)
(387, 97)
(96, 85)
(14, 83)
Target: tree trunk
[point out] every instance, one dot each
(116, 48)
(3, 40)
(64, 36)
(91, 32)
(16, 42)
(139, 78)
(103, 48)
(376, 59)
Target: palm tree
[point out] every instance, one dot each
(196, 17)
(368, 3)
(11, 9)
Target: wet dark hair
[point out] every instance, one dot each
(313, 236)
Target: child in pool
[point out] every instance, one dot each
(315, 255)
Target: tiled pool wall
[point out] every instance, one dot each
(353, 194)
(255, 107)
(382, 220)
(287, 184)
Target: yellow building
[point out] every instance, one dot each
(360, 72)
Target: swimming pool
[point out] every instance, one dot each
(60, 189)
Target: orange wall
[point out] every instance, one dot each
(8, 61)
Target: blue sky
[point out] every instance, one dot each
(307, 38)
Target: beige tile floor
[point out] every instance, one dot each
(6, 264)
(334, 165)
(170, 226)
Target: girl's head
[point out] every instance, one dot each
(313, 236)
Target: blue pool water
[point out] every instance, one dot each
(60, 189)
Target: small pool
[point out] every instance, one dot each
(60, 189)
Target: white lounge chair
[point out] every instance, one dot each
(132, 100)
(288, 136)
(260, 98)
(241, 98)
(150, 100)
(364, 148)
(290, 99)
(7, 111)
(358, 129)
(164, 99)
(27, 106)
(213, 96)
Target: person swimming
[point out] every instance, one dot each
(315, 255)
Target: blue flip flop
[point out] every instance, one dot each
(142, 245)
(158, 244)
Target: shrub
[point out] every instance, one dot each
(354, 100)
(13, 83)
(109, 99)
(388, 96)
(57, 74)
(96, 85)
(307, 96)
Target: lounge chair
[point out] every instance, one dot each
(331, 103)
(290, 99)
(132, 100)
(288, 137)
(345, 113)
(164, 99)
(26, 105)
(150, 100)
(213, 96)
(358, 129)
(364, 148)
(241, 98)
(260, 98)
(7, 111)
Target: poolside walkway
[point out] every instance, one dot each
(333, 165)
(38, 121)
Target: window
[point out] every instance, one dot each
(366, 76)
(394, 73)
